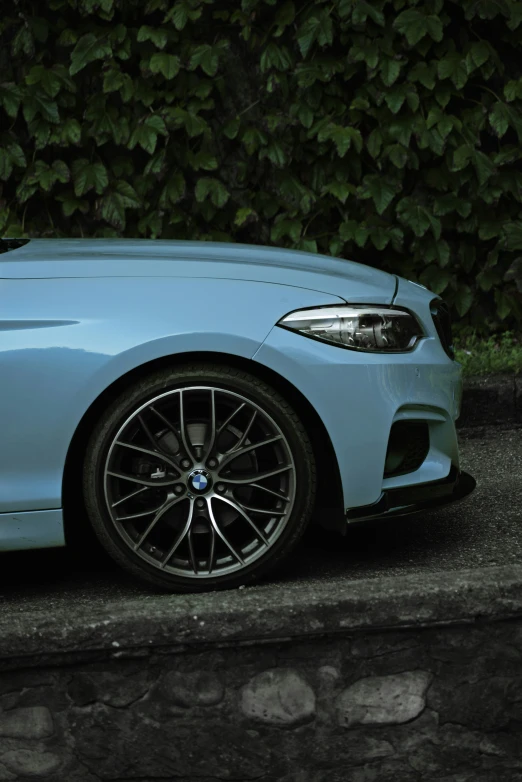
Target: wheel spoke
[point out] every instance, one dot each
(212, 549)
(193, 560)
(153, 441)
(244, 435)
(141, 481)
(183, 428)
(155, 454)
(247, 518)
(211, 437)
(262, 510)
(260, 476)
(179, 540)
(167, 506)
(235, 453)
(221, 534)
(230, 417)
(271, 491)
(129, 496)
(140, 515)
(164, 420)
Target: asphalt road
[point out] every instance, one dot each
(484, 530)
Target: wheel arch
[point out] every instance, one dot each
(75, 521)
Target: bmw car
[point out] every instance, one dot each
(198, 404)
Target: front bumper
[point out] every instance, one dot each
(412, 499)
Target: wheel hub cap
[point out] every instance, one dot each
(199, 481)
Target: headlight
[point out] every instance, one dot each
(370, 328)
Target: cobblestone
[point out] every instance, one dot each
(383, 700)
(32, 722)
(278, 697)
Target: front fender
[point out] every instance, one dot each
(63, 342)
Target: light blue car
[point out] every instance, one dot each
(197, 401)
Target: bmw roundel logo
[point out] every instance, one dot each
(199, 481)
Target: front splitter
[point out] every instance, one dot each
(411, 499)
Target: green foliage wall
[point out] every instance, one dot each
(387, 131)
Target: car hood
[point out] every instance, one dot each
(54, 258)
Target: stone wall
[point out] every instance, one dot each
(417, 705)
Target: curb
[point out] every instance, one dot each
(492, 399)
(173, 623)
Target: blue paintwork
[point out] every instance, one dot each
(76, 315)
(36, 529)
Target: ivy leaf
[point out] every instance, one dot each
(448, 203)
(114, 79)
(397, 154)
(166, 64)
(437, 250)
(363, 10)
(464, 299)
(417, 217)
(483, 166)
(157, 35)
(374, 142)
(513, 235)
(499, 118)
(275, 153)
(182, 12)
(10, 97)
(361, 235)
(453, 66)
(389, 70)
(39, 103)
(87, 176)
(380, 190)
(6, 164)
(316, 28)
(306, 115)
(477, 55)
(435, 278)
(24, 191)
(113, 204)
(380, 237)
(146, 133)
(347, 230)
(342, 137)
(423, 73)
(70, 203)
(277, 57)
(285, 14)
(462, 156)
(366, 51)
(88, 49)
(415, 25)
(245, 215)
(231, 129)
(61, 171)
(395, 98)
(174, 191)
(513, 90)
(206, 57)
(341, 190)
(49, 79)
(208, 186)
(16, 155)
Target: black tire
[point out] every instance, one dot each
(289, 443)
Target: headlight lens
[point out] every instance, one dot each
(374, 329)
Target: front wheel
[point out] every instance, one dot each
(200, 477)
